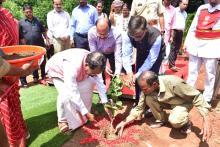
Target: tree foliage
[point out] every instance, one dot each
(42, 7)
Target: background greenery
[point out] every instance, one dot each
(42, 7)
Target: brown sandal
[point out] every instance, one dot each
(63, 126)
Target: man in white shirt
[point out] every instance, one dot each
(202, 43)
(74, 73)
(177, 33)
(58, 22)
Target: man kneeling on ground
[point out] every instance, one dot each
(169, 92)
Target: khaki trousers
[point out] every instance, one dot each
(179, 114)
(60, 45)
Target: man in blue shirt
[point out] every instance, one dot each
(84, 16)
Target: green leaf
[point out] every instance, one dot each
(119, 103)
(119, 93)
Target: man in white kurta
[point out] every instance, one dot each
(74, 77)
(203, 43)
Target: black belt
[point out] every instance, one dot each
(82, 35)
(178, 30)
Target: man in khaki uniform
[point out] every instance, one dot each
(151, 10)
(169, 92)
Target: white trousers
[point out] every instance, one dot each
(66, 109)
(210, 71)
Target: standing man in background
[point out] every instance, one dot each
(30, 33)
(58, 22)
(151, 10)
(177, 33)
(168, 20)
(202, 43)
(99, 8)
(107, 40)
(84, 17)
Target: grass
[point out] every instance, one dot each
(39, 111)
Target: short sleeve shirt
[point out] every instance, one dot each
(31, 31)
(150, 9)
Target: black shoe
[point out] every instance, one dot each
(148, 114)
(24, 84)
(186, 129)
(157, 124)
(35, 80)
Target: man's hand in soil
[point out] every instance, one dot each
(91, 117)
(120, 128)
(207, 129)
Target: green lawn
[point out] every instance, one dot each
(39, 110)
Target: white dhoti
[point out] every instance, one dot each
(66, 109)
(210, 71)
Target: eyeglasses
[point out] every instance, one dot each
(137, 36)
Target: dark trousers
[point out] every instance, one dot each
(35, 73)
(175, 47)
(155, 68)
(111, 58)
(81, 41)
(50, 51)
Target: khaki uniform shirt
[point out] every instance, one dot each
(4, 67)
(150, 9)
(173, 91)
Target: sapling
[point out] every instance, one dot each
(113, 93)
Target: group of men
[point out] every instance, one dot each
(74, 72)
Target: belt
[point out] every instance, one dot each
(207, 34)
(82, 35)
(178, 30)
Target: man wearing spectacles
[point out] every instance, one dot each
(150, 47)
(74, 73)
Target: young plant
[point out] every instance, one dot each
(113, 93)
